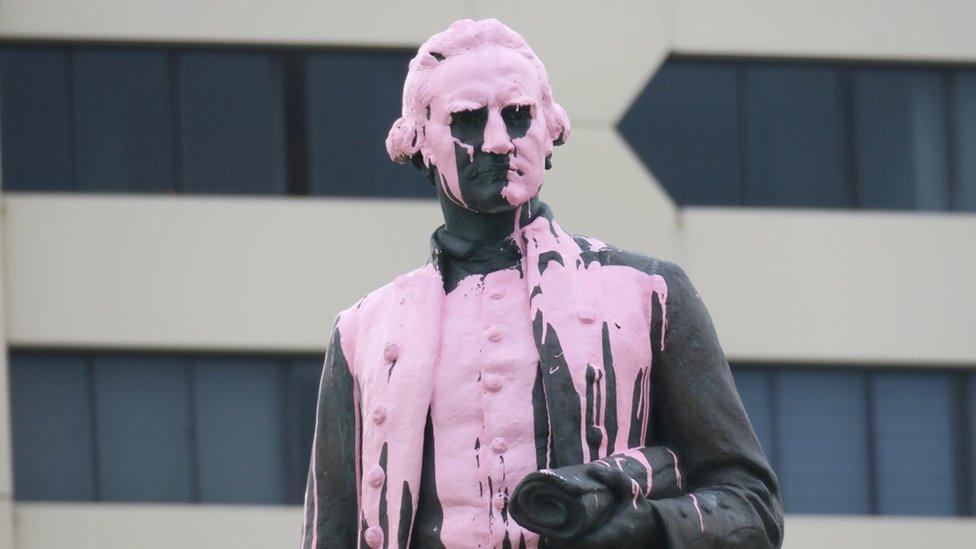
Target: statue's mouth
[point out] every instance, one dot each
(497, 170)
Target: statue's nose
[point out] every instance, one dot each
(496, 135)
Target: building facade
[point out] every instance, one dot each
(182, 183)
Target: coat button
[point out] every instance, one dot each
(499, 501)
(494, 334)
(379, 414)
(391, 351)
(586, 315)
(374, 537)
(493, 383)
(497, 294)
(376, 476)
(499, 445)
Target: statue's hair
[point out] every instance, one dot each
(407, 134)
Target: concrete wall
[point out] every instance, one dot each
(108, 526)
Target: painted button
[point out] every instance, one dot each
(586, 315)
(499, 501)
(391, 351)
(374, 536)
(379, 414)
(494, 334)
(497, 294)
(493, 383)
(376, 476)
(499, 445)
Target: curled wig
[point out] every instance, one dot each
(407, 135)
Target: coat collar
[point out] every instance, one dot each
(533, 216)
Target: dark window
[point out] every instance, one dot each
(809, 134)
(214, 121)
(353, 99)
(685, 127)
(303, 393)
(123, 120)
(35, 120)
(239, 431)
(232, 123)
(964, 134)
(823, 441)
(795, 153)
(175, 428)
(915, 435)
(899, 121)
(754, 390)
(867, 440)
(143, 429)
(51, 413)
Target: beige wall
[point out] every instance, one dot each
(110, 526)
(270, 274)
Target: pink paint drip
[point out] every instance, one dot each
(701, 519)
(635, 488)
(485, 64)
(639, 456)
(478, 64)
(677, 471)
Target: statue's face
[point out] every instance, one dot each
(487, 133)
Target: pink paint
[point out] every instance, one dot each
(440, 364)
(636, 491)
(639, 456)
(701, 519)
(443, 345)
(478, 64)
(677, 470)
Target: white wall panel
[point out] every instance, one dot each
(163, 272)
(253, 274)
(837, 286)
(938, 30)
(818, 532)
(357, 22)
(110, 526)
(599, 55)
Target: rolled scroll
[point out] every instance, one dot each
(564, 502)
(568, 502)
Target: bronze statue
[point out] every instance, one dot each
(527, 387)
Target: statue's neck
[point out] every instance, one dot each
(484, 229)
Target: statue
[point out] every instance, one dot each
(527, 387)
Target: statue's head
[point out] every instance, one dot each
(479, 116)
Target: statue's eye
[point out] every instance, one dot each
(518, 115)
(477, 117)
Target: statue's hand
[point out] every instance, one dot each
(586, 506)
(631, 523)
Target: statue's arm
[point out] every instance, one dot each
(732, 497)
(331, 505)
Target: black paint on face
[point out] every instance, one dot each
(483, 177)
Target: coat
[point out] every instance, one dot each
(597, 312)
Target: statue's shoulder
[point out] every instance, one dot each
(378, 300)
(593, 250)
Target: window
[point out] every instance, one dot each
(809, 134)
(162, 428)
(866, 441)
(238, 429)
(133, 119)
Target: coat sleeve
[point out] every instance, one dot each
(331, 500)
(732, 495)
